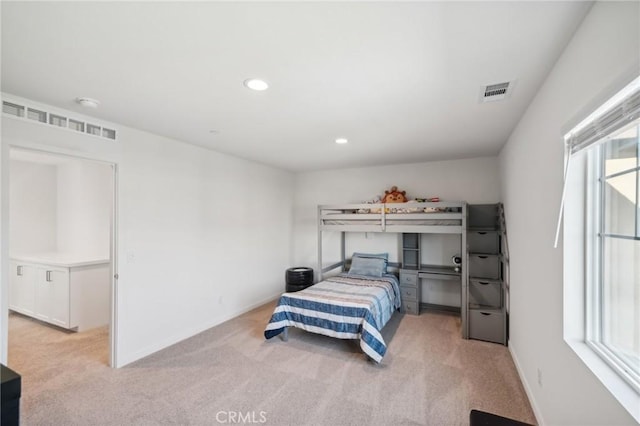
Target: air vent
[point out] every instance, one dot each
(15, 110)
(495, 92)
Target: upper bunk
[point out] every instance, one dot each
(443, 217)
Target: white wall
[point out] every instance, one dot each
(201, 239)
(33, 199)
(603, 54)
(84, 200)
(62, 205)
(473, 180)
(196, 244)
(4, 244)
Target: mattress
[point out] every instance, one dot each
(345, 306)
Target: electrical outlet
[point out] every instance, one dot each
(539, 377)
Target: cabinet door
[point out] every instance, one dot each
(22, 295)
(52, 296)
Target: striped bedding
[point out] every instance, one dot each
(345, 306)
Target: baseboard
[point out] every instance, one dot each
(124, 360)
(527, 388)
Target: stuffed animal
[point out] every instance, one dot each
(374, 201)
(394, 196)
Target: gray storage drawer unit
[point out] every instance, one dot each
(484, 266)
(483, 242)
(487, 256)
(485, 293)
(409, 291)
(487, 325)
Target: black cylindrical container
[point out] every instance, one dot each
(298, 278)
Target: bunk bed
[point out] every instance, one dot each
(323, 308)
(441, 217)
(411, 217)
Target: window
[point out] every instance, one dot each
(12, 109)
(58, 120)
(76, 125)
(602, 244)
(37, 115)
(613, 277)
(25, 112)
(92, 129)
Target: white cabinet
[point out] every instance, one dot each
(22, 288)
(53, 296)
(73, 295)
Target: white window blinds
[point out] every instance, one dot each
(620, 115)
(617, 113)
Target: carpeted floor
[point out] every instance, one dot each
(230, 375)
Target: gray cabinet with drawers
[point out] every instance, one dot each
(410, 291)
(486, 299)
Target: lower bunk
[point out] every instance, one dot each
(346, 306)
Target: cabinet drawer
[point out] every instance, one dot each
(483, 242)
(485, 293)
(408, 279)
(412, 308)
(408, 294)
(487, 325)
(484, 266)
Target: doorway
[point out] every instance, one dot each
(62, 250)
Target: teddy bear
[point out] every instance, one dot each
(394, 196)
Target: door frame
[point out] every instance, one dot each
(113, 250)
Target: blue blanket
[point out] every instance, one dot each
(345, 306)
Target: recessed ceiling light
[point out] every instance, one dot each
(341, 140)
(88, 102)
(256, 84)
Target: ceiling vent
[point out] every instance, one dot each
(496, 92)
(27, 113)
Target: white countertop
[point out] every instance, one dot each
(68, 260)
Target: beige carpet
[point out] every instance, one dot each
(231, 375)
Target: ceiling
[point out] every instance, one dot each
(401, 81)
